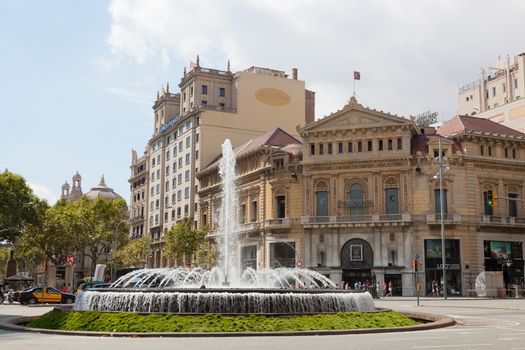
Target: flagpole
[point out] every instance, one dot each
(354, 84)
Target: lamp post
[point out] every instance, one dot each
(442, 221)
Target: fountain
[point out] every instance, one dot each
(224, 289)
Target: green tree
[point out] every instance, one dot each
(97, 226)
(4, 256)
(182, 240)
(19, 207)
(206, 254)
(134, 253)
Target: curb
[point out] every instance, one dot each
(436, 322)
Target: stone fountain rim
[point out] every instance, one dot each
(227, 290)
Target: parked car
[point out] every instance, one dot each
(44, 294)
(89, 285)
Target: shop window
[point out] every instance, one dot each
(434, 265)
(282, 254)
(249, 257)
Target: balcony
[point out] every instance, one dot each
(448, 219)
(249, 227)
(281, 223)
(357, 220)
(502, 221)
(136, 218)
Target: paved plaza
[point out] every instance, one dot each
(482, 324)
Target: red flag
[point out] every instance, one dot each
(192, 64)
(357, 75)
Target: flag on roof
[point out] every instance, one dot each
(357, 75)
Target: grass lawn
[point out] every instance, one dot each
(133, 322)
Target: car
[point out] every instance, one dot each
(43, 294)
(89, 285)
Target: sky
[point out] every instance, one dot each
(78, 78)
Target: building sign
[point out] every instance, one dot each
(449, 266)
(356, 252)
(169, 124)
(355, 203)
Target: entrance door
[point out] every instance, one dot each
(353, 276)
(397, 284)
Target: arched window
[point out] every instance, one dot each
(356, 196)
(321, 198)
(391, 186)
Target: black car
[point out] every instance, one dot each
(41, 294)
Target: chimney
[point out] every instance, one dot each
(294, 73)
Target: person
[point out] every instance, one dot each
(385, 288)
(390, 289)
(434, 289)
(63, 289)
(356, 285)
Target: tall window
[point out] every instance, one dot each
(280, 202)
(312, 150)
(389, 144)
(481, 150)
(321, 148)
(242, 214)
(380, 145)
(487, 209)
(340, 150)
(330, 150)
(350, 148)
(204, 89)
(437, 203)
(356, 196)
(321, 203)
(513, 204)
(399, 143)
(369, 146)
(359, 146)
(222, 92)
(392, 201)
(254, 211)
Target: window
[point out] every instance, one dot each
(167, 201)
(321, 203)
(369, 146)
(151, 205)
(174, 167)
(173, 198)
(178, 212)
(312, 150)
(282, 254)
(359, 146)
(487, 209)
(168, 170)
(515, 83)
(242, 214)
(321, 148)
(340, 147)
(179, 195)
(481, 149)
(168, 155)
(493, 91)
(253, 212)
(280, 202)
(249, 257)
(513, 153)
(196, 154)
(506, 152)
(204, 103)
(389, 144)
(222, 105)
(186, 207)
(152, 190)
(153, 162)
(157, 204)
(187, 175)
(204, 219)
(158, 159)
(167, 185)
(380, 145)
(437, 203)
(399, 143)
(197, 137)
(188, 142)
(503, 87)
(180, 162)
(350, 147)
(152, 176)
(356, 197)
(180, 146)
(490, 150)
(174, 150)
(392, 201)
(158, 174)
(179, 179)
(186, 192)
(222, 92)
(204, 89)
(513, 205)
(157, 188)
(187, 158)
(330, 148)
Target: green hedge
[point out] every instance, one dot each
(133, 322)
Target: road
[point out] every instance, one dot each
(483, 324)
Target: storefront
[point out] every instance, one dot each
(434, 266)
(507, 257)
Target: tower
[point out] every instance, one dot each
(65, 191)
(76, 190)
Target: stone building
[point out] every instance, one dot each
(189, 128)
(269, 231)
(363, 202)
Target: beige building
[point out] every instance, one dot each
(364, 200)
(269, 231)
(498, 94)
(190, 127)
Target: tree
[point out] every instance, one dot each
(98, 226)
(426, 119)
(206, 254)
(19, 207)
(182, 241)
(4, 256)
(134, 253)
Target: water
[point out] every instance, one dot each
(179, 290)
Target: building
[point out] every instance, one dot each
(498, 94)
(189, 128)
(270, 233)
(364, 201)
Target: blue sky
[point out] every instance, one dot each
(78, 78)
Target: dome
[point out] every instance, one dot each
(102, 191)
(77, 177)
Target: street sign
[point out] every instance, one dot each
(416, 256)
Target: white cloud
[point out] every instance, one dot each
(131, 95)
(43, 193)
(412, 54)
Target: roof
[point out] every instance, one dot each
(276, 138)
(420, 143)
(472, 125)
(102, 191)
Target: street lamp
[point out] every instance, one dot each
(442, 167)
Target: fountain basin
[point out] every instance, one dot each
(224, 301)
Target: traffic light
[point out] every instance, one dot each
(490, 198)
